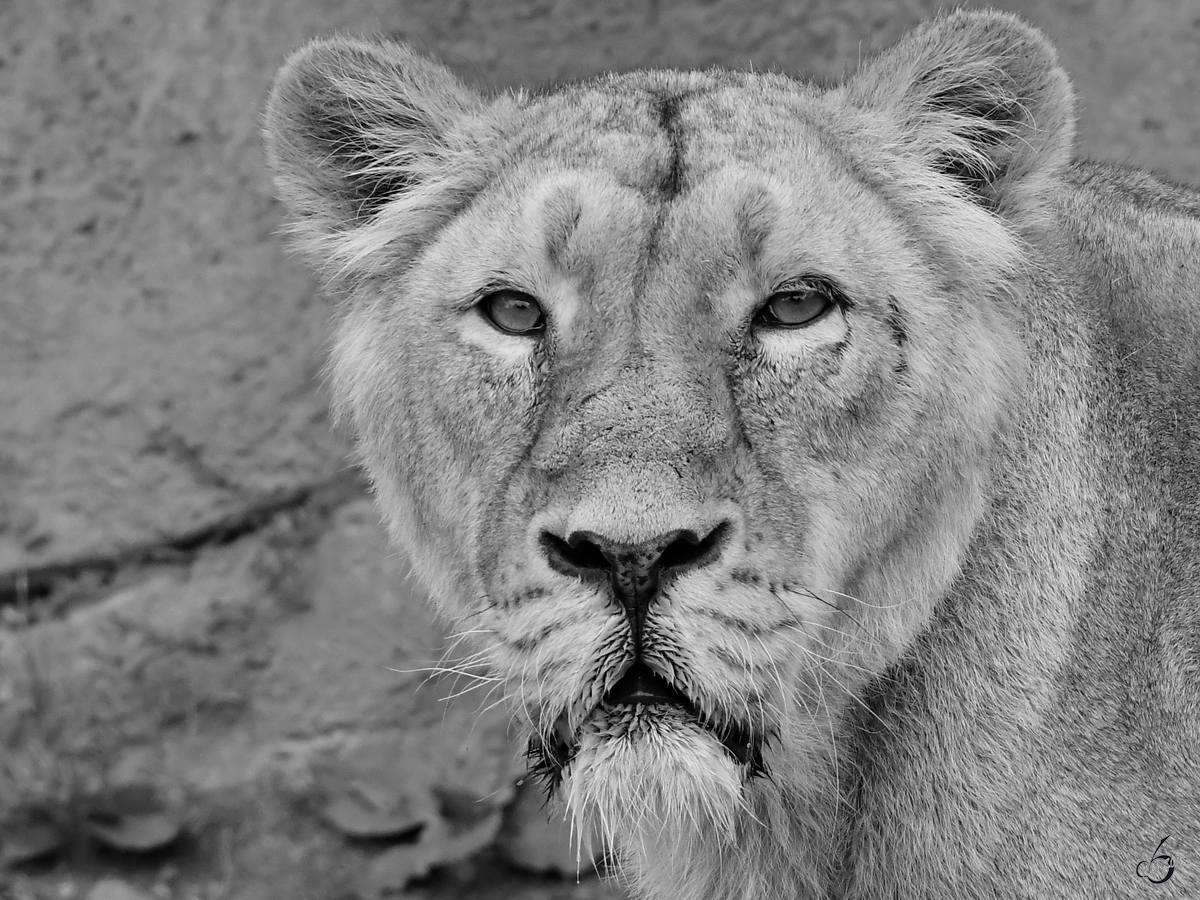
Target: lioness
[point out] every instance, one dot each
(819, 469)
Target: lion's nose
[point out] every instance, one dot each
(633, 571)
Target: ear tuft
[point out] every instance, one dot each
(978, 96)
(352, 125)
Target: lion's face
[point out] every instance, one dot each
(679, 389)
(665, 414)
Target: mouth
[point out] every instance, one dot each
(649, 694)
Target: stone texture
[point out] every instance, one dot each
(288, 678)
(114, 889)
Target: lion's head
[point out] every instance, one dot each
(679, 388)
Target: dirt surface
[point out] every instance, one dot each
(212, 606)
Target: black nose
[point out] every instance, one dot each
(634, 571)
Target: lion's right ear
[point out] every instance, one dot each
(353, 125)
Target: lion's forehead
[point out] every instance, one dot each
(659, 131)
(663, 169)
(636, 228)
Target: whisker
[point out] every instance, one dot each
(824, 670)
(858, 600)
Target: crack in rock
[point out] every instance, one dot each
(37, 584)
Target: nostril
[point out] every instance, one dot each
(686, 549)
(585, 554)
(578, 555)
(634, 571)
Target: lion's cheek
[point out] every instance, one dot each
(435, 470)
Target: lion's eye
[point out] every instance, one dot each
(513, 312)
(797, 307)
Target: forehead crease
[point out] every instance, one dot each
(559, 211)
(597, 233)
(760, 154)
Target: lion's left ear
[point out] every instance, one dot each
(353, 126)
(979, 96)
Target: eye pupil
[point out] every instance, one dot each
(513, 312)
(793, 308)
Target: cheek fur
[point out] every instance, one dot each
(434, 469)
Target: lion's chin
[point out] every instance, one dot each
(647, 777)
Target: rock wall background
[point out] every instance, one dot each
(194, 595)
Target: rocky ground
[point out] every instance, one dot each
(213, 671)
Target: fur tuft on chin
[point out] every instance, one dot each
(652, 783)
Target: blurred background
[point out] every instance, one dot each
(214, 673)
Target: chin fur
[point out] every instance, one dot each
(653, 785)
